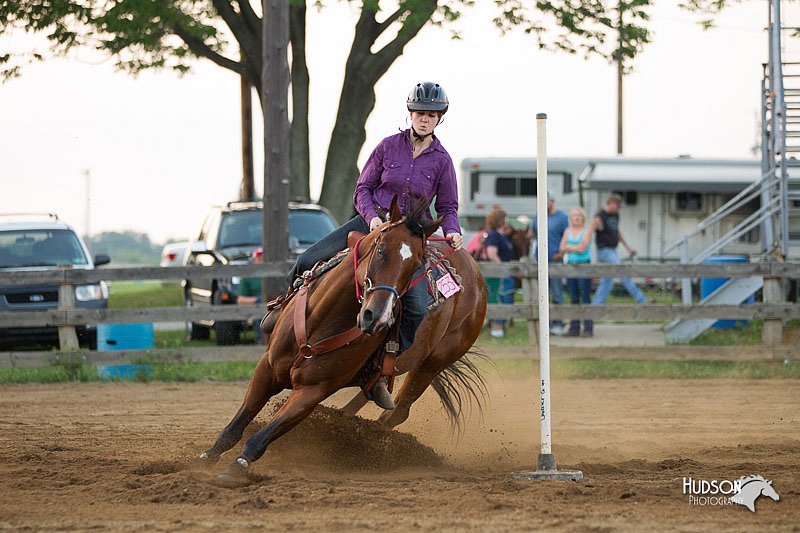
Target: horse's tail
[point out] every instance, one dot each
(461, 386)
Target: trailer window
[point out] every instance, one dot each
(515, 186)
(689, 201)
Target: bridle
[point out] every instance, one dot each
(369, 287)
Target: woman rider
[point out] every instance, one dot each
(414, 166)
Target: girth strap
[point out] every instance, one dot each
(306, 350)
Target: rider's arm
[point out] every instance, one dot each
(368, 181)
(447, 199)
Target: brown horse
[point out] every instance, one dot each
(383, 268)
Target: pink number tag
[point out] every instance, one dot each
(447, 286)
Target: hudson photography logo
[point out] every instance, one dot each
(743, 491)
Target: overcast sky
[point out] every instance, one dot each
(161, 149)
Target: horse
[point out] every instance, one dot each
(379, 268)
(750, 488)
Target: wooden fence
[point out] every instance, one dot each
(773, 310)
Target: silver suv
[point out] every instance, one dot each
(35, 242)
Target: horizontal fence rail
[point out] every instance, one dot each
(521, 269)
(66, 316)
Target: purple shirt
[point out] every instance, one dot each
(392, 170)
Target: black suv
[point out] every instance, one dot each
(34, 242)
(228, 236)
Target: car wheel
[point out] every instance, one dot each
(194, 332)
(228, 333)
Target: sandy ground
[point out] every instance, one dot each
(120, 457)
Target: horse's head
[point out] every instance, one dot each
(389, 257)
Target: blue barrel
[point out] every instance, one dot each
(709, 285)
(112, 337)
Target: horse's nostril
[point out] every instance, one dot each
(366, 317)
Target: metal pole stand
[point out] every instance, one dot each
(546, 462)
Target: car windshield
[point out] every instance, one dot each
(243, 228)
(42, 247)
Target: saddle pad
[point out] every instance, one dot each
(432, 255)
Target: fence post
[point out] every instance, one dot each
(772, 293)
(67, 338)
(686, 283)
(530, 295)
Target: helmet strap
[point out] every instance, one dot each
(416, 136)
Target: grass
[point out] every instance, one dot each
(134, 294)
(192, 372)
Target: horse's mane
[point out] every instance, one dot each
(416, 217)
(747, 479)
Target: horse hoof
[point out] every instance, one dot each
(236, 476)
(209, 457)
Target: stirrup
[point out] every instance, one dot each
(379, 393)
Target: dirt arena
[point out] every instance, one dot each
(120, 457)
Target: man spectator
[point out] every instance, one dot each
(557, 224)
(608, 236)
(250, 291)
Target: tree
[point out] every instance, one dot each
(616, 33)
(171, 34)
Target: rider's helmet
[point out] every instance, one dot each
(428, 96)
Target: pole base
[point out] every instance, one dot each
(546, 469)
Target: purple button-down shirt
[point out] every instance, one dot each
(392, 170)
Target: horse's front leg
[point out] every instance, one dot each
(262, 387)
(299, 405)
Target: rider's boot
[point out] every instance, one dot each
(379, 393)
(271, 318)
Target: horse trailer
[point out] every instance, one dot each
(663, 198)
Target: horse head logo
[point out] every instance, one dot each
(750, 488)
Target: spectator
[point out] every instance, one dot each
(557, 223)
(250, 291)
(498, 249)
(575, 245)
(608, 236)
(476, 245)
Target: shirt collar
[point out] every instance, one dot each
(435, 144)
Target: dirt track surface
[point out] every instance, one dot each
(120, 457)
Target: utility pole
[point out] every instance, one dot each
(275, 98)
(247, 192)
(88, 208)
(620, 74)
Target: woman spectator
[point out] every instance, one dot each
(498, 249)
(575, 246)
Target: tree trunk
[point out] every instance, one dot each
(299, 149)
(349, 133)
(363, 70)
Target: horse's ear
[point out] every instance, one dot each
(394, 210)
(429, 227)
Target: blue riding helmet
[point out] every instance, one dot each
(428, 96)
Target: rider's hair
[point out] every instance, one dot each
(495, 218)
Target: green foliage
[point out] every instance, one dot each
(616, 31)
(128, 247)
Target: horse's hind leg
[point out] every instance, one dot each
(414, 384)
(262, 387)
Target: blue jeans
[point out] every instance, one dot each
(506, 294)
(415, 304)
(557, 288)
(609, 255)
(580, 292)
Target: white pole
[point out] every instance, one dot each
(546, 462)
(544, 290)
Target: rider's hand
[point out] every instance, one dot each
(455, 240)
(375, 222)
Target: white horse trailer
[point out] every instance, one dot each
(663, 198)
